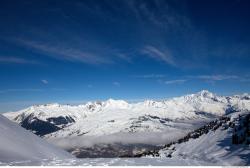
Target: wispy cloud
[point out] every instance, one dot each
(161, 15)
(16, 60)
(214, 77)
(236, 50)
(126, 57)
(44, 81)
(63, 52)
(158, 54)
(246, 78)
(179, 81)
(173, 37)
(31, 90)
(150, 76)
(21, 90)
(208, 78)
(58, 89)
(116, 84)
(156, 20)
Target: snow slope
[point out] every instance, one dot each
(214, 147)
(20, 145)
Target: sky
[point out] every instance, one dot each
(83, 50)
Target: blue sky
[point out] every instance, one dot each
(76, 51)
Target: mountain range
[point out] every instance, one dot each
(199, 129)
(116, 116)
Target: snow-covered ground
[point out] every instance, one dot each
(215, 147)
(111, 162)
(20, 145)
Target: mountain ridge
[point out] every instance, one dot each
(113, 116)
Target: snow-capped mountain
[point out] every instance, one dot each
(114, 116)
(18, 144)
(180, 121)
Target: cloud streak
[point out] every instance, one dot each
(31, 90)
(21, 90)
(179, 81)
(16, 60)
(44, 81)
(214, 77)
(147, 76)
(158, 54)
(63, 52)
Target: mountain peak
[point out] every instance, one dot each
(116, 103)
(205, 93)
(47, 105)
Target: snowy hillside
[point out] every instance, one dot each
(18, 145)
(114, 116)
(221, 142)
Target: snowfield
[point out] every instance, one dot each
(110, 162)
